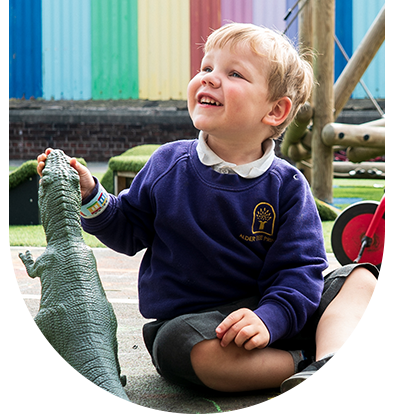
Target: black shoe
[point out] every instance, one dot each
(340, 384)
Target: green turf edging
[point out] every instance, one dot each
(26, 171)
(127, 163)
(132, 160)
(326, 211)
(22, 173)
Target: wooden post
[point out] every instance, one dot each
(359, 62)
(306, 44)
(322, 155)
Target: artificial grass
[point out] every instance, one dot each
(327, 231)
(32, 236)
(361, 189)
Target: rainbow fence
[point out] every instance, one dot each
(147, 49)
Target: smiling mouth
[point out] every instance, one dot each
(206, 100)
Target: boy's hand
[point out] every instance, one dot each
(86, 179)
(245, 328)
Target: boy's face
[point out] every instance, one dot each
(228, 98)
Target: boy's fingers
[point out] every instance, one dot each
(243, 329)
(75, 164)
(237, 333)
(245, 335)
(81, 169)
(41, 160)
(227, 338)
(240, 333)
(224, 326)
(40, 166)
(253, 343)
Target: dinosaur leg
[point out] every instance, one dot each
(115, 343)
(31, 267)
(121, 377)
(91, 364)
(27, 363)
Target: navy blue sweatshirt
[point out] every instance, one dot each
(214, 238)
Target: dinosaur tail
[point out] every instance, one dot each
(96, 372)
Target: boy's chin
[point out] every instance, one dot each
(200, 125)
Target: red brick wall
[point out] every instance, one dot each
(94, 142)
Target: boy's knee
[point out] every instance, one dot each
(362, 279)
(208, 359)
(204, 356)
(172, 348)
(167, 350)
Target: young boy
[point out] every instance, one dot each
(235, 254)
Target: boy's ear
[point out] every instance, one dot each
(279, 112)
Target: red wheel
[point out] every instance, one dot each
(349, 230)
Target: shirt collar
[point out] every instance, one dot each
(248, 170)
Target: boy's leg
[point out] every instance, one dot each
(233, 368)
(186, 348)
(345, 311)
(190, 340)
(236, 369)
(341, 381)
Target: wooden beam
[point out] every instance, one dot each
(297, 128)
(361, 154)
(376, 123)
(298, 152)
(350, 135)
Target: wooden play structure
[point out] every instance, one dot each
(313, 136)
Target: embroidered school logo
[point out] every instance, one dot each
(263, 219)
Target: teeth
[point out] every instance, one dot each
(207, 100)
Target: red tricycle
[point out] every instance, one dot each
(358, 234)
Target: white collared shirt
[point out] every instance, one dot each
(248, 170)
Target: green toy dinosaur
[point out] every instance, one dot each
(74, 313)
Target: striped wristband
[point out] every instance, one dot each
(97, 205)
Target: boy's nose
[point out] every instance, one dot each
(211, 80)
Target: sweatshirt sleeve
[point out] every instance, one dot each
(291, 280)
(126, 225)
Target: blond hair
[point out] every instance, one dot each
(288, 73)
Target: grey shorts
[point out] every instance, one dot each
(170, 342)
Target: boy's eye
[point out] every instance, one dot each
(207, 69)
(236, 74)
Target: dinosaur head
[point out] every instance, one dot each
(59, 194)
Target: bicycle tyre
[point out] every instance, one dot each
(349, 229)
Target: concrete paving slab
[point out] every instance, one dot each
(144, 386)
